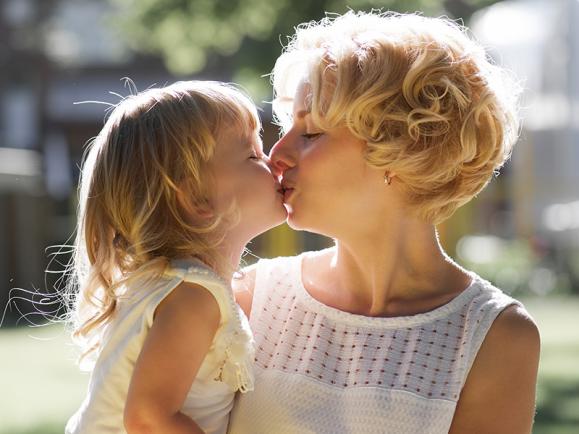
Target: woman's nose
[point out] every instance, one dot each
(269, 165)
(282, 155)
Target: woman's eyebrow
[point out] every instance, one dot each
(301, 114)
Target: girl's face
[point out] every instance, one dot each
(244, 181)
(327, 183)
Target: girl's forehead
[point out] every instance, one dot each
(234, 139)
(255, 142)
(251, 139)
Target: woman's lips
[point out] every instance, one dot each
(287, 192)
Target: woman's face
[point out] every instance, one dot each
(327, 183)
(243, 179)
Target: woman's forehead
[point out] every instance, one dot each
(301, 100)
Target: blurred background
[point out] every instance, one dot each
(521, 233)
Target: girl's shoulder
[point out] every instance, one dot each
(196, 272)
(193, 270)
(180, 279)
(233, 344)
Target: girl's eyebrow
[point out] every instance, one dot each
(259, 145)
(252, 143)
(249, 145)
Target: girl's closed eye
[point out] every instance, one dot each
(255, 156)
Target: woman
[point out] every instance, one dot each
(394, 122)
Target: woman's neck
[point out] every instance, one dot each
(392, 272)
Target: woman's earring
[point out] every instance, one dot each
(387, 179)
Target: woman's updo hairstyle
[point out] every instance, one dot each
(434, 111)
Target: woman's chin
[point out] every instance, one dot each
(293, 220)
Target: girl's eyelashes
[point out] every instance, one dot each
(257, 157)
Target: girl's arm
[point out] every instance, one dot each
(499, 394)
(243, 288)
(183, 329)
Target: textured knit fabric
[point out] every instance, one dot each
(322, 370)
(227, 367)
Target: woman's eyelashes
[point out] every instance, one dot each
(311, 136)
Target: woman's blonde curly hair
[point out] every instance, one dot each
(432, 108)
(144, 193)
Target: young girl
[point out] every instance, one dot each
(172, 189)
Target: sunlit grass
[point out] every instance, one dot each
(40, 385)
(558, 388)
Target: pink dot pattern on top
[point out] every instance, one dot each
(426, 354)
(319, 369)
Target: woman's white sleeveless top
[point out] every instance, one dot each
(227, 367)
(322, 370)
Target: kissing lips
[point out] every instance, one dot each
(287, 192)
(288, 189)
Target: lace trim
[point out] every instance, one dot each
(237, 367)
(235, 342)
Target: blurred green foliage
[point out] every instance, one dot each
(243, 37)
(520, 266)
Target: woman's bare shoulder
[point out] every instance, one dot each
(499, 393)
(515, 323)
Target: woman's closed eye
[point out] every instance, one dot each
(311, 136)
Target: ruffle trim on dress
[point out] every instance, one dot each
(237, 368)
(235, 342)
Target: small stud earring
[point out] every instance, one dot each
(387, 179)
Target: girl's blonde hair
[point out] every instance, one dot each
(430, 105)
(145, 191)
